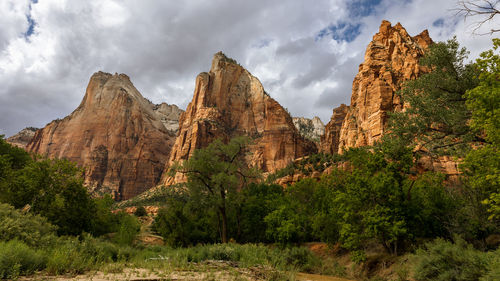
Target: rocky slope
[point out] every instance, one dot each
(115, 134)
(22, 138)
(228, 101)
(391, 58)
(311, 129)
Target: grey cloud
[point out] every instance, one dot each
(163, 45)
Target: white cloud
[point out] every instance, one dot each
(163, 45)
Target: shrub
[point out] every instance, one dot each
(443, 260)
(68, 258)
(129, 228)
(32, 230)
(140, 212)
(17, 258)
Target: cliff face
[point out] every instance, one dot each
(115, 134)
(311, 129)
(228, 101)
(391, 58)
(169, 115)
(330, 139)
(22, 138)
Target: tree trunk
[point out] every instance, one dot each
(224, 224)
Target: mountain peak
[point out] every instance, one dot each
(220, 59)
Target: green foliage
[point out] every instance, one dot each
(257, 201)
(128, 230)
(15, 156)
(140, 212)
(484, 100)
(51, 188)
(185, 221)
(304, 214)
(17, 258)
(67, 258)
(103, 220)
(215, 174)
(442, 260)
(294, 258)
(437, 117)
(493, 270)
(33, 230)
(482, 166)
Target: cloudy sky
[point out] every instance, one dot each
(305, 52)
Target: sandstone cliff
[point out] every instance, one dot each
(115, 134)
(311, 129)
(22, 138)
(330, 139)
(228, 101)
(391, 58)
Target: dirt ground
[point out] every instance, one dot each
(214, 270)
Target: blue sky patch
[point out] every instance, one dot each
(31, 21)
(341, 32)
(438, 22)
(31, 26)
(362, 8)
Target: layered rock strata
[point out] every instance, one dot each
(228, 102)
(330, 139)
(115, 134)
(390, 59)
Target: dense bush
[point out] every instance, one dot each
(185, 221)
(128, 230)
(443, 260)
(257, 201)
(17, 258)
(140, 212)
(33, 230)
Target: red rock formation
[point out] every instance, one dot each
(228, 101)
(330, 139)
(115, 134)
(391, 58)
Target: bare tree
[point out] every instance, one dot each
(482, 10)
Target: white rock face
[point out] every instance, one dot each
(312, 129)
(22, 138)
(169, 115)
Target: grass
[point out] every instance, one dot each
(69, 255)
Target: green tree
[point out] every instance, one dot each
(376, 198)
(103, 220)
(258, 200)
(436, 117)
(482, 165)
(216, 173)
(54, 189)
(18, 158)
(185, 221)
